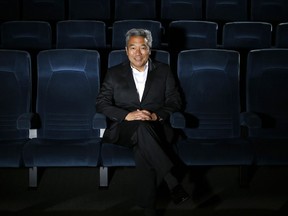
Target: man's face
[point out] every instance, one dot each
(138, 52)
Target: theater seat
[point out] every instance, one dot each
(15, 109)
(67, 135)
(267, 105)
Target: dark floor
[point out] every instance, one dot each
(74, 191)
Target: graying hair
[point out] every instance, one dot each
(139, 32)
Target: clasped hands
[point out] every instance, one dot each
(141, 115)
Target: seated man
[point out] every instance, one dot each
(138, 97)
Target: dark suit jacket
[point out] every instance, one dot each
(118, 95)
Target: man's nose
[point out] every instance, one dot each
(137, 51)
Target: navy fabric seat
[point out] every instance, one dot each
(44, 10)
(131, 9)
(281, 35)
(83, 34)
(190, 34)
(172, 10)
(26, 35)
(227, 11)
(267, 105)
(272, 11)
(99, 10)
(245, 36)
(15, 97)
(210, 85)
(67, 133)
(115, 155)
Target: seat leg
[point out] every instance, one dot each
(33, 181)
(103, 177)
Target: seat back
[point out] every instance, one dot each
(266, 93)
(26, 35)
(44, 10)
(281, 35)
(273, 11)
(134, 9)
(247, 35)
(15, 92)
(209, 79)
(68, 83)
(189, 34)
(120, 28)
(85, 34)
(172, 10)
(227, 11)
(116, 57)
(89, 10)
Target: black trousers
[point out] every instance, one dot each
(150, 142)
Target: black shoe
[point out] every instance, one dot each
(179, 195)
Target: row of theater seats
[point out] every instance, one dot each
(181, 34)
(228, 10)
(64, 131)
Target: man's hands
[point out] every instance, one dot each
(141, 115)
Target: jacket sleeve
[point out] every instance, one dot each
(173, 101)
(105, 102)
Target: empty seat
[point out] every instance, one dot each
(44, 10)
(189, 34)
(209, 80)
(85, 34)
(89, 10)
(222, 11)
(172, 10)
(120, 28)
(281, 35)
(273, 11)
(247, 35)
(26, 35)
(15, 97)
(267, 106)
(134, 9)
(68, 83)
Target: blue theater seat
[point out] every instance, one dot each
(67, 133)
(267, 105)
(15, 97)
(134, 9)
(83, 34)
(209, 79)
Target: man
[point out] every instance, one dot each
(138, 97)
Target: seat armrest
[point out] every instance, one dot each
(177, 120)
(99, 121)
(250, 120)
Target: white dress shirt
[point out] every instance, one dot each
(140, 80)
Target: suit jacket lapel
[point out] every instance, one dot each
(130, 81)
(149, 79)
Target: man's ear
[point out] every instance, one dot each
(126, 49)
